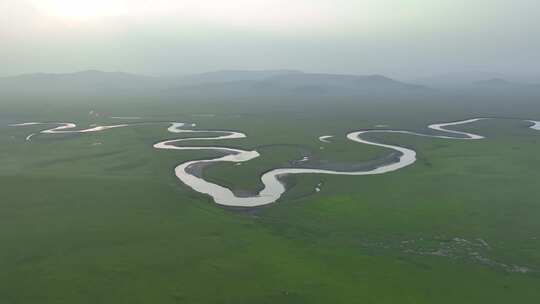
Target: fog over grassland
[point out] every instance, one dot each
(476, 53)
(266, 90)
(271, 51)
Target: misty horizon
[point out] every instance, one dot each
(409, 40)
(455, 78)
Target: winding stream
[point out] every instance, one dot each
(536, 125)
(273, 188)
(325, 138)
(65, 128)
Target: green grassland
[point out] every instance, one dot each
(110, 223)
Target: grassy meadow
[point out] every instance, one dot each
(100, 218)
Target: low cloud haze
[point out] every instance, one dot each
(404, 39)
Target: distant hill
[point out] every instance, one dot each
(478, 80)
(293, 83)
(81, 82)
(458, 79)
(233, 76)
(346, 82)
(221, 83)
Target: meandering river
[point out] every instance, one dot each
(273, 187)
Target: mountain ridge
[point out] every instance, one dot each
(228, 82)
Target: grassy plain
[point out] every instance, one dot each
(109, 223)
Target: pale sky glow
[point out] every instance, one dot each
(266, 13)
(84, 10)
(397, 37)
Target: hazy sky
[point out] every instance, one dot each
(162, 37)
